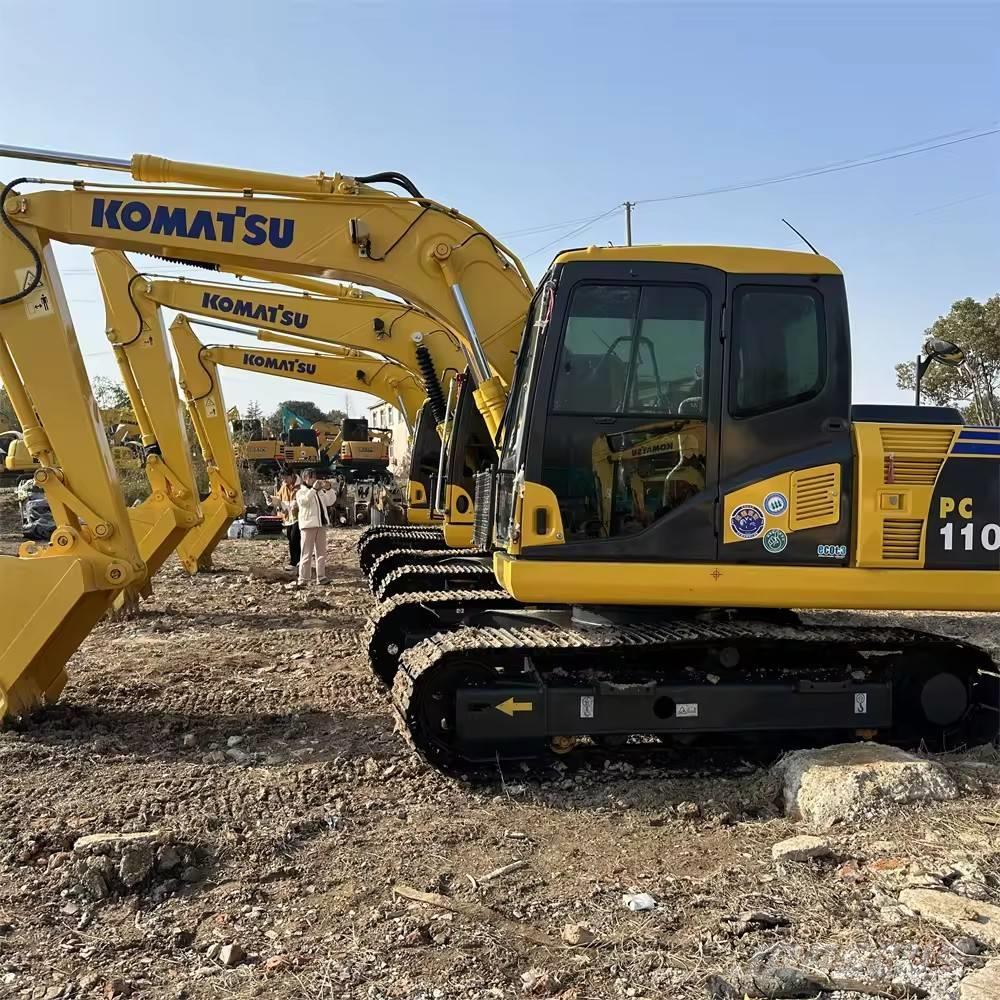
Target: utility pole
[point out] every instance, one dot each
(629, 205)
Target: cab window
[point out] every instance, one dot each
(779, 348)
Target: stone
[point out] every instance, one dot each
(167, 858)
(237, 756)
(136, 864)
(191, 875)
(277, 963)
(852, 782)
(212, 952)
(115, 988)
(95, 843)
(234, 741)
(540, 983)
(577, 935)
(971, 918)
(230, 955)
(214, 757)
(688, 810)
(189, 740)
(802, 848)
(984, 984)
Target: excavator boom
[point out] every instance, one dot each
(53, 595)
(139, 340)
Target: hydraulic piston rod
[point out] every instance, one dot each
(72, 159)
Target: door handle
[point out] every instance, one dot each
(834, 425)
(605, 420)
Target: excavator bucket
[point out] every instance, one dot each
(207, 410)
(54, 594)
(139, 338)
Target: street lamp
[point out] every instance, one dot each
(942, 351)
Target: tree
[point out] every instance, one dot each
(336, 416)
(300, 407)
(8, 419)
(109, 394)
(973, 387)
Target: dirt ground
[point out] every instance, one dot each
(235, 723)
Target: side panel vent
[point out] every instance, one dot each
(485, 502)
(901, 540)
(912, 456)
(815, 498)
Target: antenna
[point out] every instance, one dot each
(800, 236)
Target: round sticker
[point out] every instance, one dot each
(776, 504)
(775, 541)
(747, 521)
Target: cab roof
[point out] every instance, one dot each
(734, 260)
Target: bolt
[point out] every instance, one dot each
(441, 251)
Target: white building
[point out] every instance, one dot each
(383, 416)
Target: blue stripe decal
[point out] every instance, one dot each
(980, 435)
(972, 448)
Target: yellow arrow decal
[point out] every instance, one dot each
(509, 707)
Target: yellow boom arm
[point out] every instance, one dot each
(398, 331)
(390, 382)
(207, 409)
(139, 340)
(53, 595)
(327, 227)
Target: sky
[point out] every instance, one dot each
(534, 118)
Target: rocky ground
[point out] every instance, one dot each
(219, 808)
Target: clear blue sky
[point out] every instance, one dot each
(529, 114)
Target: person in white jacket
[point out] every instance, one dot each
(312, 503)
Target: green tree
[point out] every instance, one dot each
(335, 416)
(254, 411)
(304, 408)
(973, 387)
(109, 394)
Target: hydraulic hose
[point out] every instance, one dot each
(432, 385)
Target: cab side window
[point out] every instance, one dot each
(779, 348)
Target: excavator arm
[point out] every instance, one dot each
(207, 410)
(322, 226)
(53, 595)
(139, 341)
(390, 382)
(202, 387)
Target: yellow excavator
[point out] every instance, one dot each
(324, 314)
(683, 630)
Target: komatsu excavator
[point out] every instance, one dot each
(608, 627)
(325, 314)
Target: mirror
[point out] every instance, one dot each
(944, 351)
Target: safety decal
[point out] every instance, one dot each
(38, 302)
(775, 541)
(831, 551)
(775, 504)
(686, 710)
(747, 521)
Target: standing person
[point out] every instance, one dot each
(313, 500)
(284, 503)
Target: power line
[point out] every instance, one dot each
(864, 161)
(573, 232)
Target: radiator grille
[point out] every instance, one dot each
(901, 540)
(815, 497)
(912, 456)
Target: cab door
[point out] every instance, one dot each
(785, 457)
(632, 359)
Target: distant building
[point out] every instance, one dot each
(386, 417)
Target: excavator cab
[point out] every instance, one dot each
(682, 405)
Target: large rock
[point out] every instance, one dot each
(849, 782)
(978, 920)
(983, 984)
(802, 848)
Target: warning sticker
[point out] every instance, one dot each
(687, 710)
(586, 706)
(210, 410)
(861, 704)
(38, 303)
